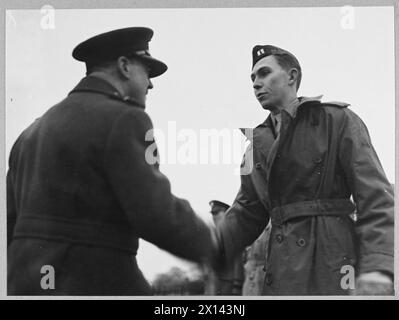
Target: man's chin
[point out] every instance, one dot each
(269, 107)
(266, 106)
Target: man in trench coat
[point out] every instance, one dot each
(84, 184)
(309, 158)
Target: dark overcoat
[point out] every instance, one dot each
(83, 186)
(304, 182)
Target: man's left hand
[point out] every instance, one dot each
(374, 284)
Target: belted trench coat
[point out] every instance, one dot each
(309, 181)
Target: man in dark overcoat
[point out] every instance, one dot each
(309, 159)
(84, 184)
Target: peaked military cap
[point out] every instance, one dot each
(261, 51)
(217, 206)
(129, 42)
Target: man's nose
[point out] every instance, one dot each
(256, 85)
(150, 85)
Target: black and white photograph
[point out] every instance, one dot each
(200, 151)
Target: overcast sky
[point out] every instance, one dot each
(208, 85)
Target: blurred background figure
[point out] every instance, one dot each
(229, 281)
(247, 274)
(254, 266)
(178, 282)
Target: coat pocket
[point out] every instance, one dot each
(340, 242)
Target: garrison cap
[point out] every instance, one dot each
(259, 52)
(217, 206)
(129, 42)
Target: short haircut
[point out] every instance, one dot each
(287, 62)
(101, 65)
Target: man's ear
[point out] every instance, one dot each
(293, 76)
(124, 66)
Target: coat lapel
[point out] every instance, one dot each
(265, 148)
(264, 138)
(263, 141)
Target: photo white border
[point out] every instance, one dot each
(148, 4)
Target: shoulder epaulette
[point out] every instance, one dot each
(115, 95)
(336, 104)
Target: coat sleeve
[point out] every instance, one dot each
(244, 221)
(11, 202)
(144, 193)
(372, 193)
(11, 208)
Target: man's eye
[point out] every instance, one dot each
(263, 73)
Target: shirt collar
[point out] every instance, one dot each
(293, 106)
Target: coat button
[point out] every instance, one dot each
(268, 279)
(301, 242)
(258, 165)
(279, 238)
(318, 160)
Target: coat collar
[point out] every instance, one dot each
(293, 107)
(305, 100)
(267, 124)
(263, 137)
(98, 85)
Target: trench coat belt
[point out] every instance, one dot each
(86, 233)
(321, 207)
